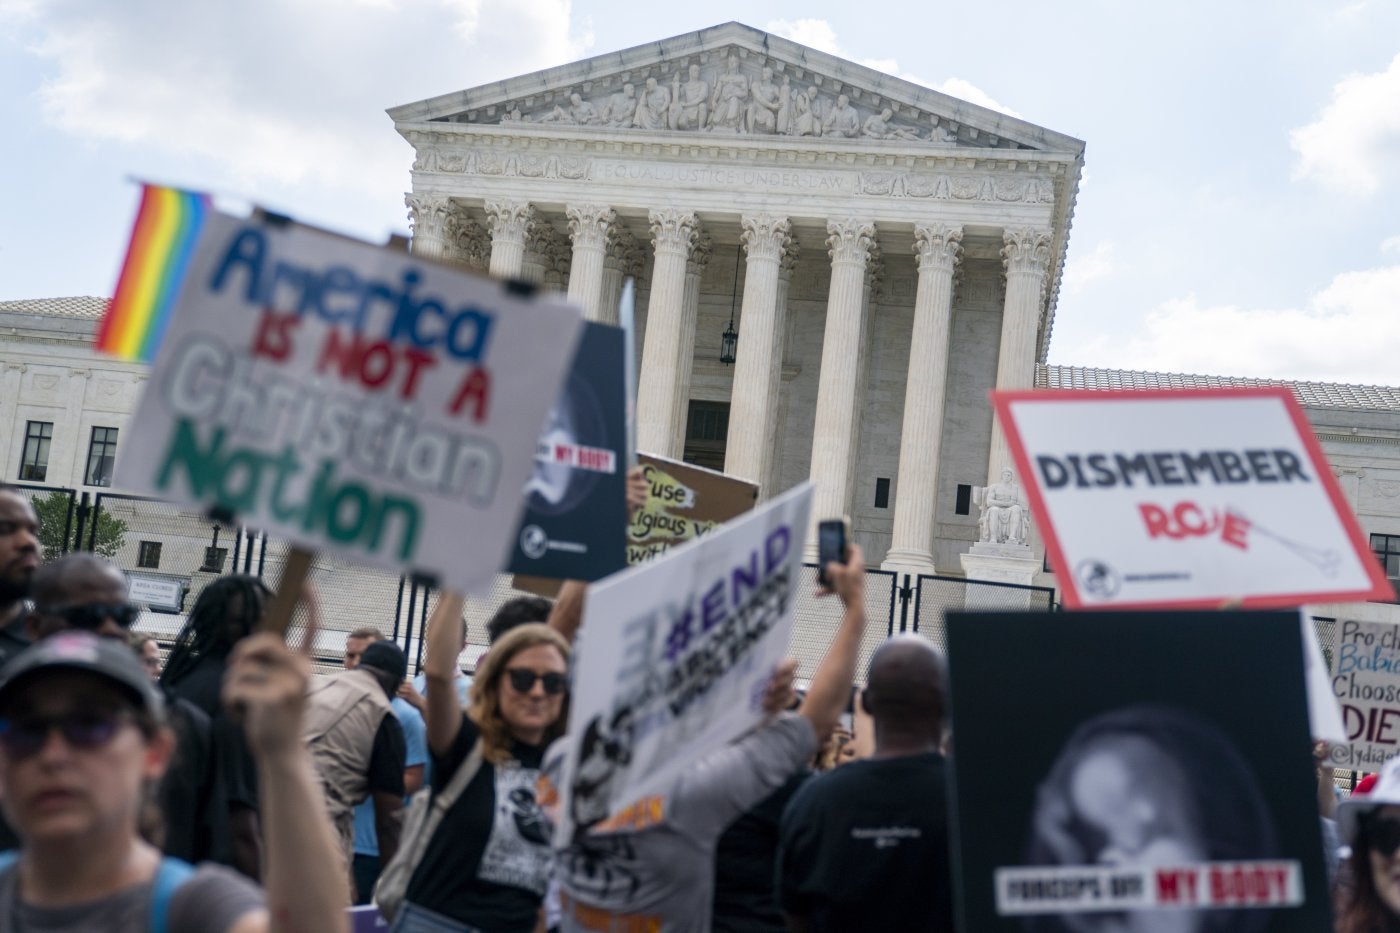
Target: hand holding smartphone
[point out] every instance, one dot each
(833, 537)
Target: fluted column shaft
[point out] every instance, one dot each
(781, 327)
(685, 349)
(428, 220)
(850, 242)
(1026, 257)
(510, 223)
(916, 484)
(673, 234)
(588, 228)
(753, 404)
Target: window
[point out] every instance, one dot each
(1387, 548)
(102, 454)
(963, 506)
(149, 555)
(706, 431)
(34, 465)
(882, 492)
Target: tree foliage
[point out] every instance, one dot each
(52, 509)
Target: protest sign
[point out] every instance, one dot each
(1130, 771)
(1186, 498)
(672, 661)
(1366, 681)
(349, 397)
(684, 501)
(575, 499)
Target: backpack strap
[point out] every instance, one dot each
(170, 875)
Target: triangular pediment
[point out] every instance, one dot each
(735, 80)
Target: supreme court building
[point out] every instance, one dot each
(886, 254)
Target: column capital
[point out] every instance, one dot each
(765, 236)
(875, 269)
(674, 230)
(624, 252)
(850, 240)
(792, 251)
(467, 240)
(938, 246)
(699, 256)
(589, 224)
(427, 213)
(510, 220)
(1027, 250)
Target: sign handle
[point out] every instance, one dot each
(279, 612)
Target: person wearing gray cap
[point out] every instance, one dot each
(83, 737)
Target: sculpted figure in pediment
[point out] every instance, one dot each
(878, 126)
(579, 113)
(690, 101)
(805, 120)
(941, 134)
(653, 106)
(843, 120)
(727, 102)
(784, 106)
(765, 100)
(621, 107)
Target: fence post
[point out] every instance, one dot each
(83, 508)
(905, 593)
(68, 519)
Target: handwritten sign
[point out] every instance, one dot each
(672, 661)
(350, 397)
(1186, 498)
(1366, 681)
(684, 501)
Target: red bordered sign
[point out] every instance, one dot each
(1186, 498)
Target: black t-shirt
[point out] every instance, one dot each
(387, 756)
(745, 901)
(488, 864)
(865, 847)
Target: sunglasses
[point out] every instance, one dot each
(523, 681)
(90, 617)
(25, 736)
(1383, 834)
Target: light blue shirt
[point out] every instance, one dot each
(415, 736)
(464, 686)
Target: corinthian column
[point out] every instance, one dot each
(624, 257)
(849, 243)
(428, 218)
(752, 403)
(911, 549)
(1026, 257)
(673, 234)
(510, 222)
(467, 242)
(685, 361)
(588, 228)
(786, 264)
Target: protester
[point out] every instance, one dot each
(85, 592)
(488, 864)
(357, 745)
(1370, 824)
(415, 693)
(657, 874)
(76, 799)
(367, 862)
(226, 612)
(19, 558)
(148, 650)
(865, 846)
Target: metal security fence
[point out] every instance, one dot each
(935, 596)
(57, 509)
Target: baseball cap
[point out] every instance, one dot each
(386, 656)
(109, 658)
(1385, 792)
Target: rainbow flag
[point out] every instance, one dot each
(162, 241)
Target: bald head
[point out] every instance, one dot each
(905, 688)
(76, 579)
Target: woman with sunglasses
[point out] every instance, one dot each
(487, 866)
(83, 737)
(1370, 824)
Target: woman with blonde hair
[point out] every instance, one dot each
(487, 866)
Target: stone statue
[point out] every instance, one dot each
(843, 120)
(805, 120)
(690, 101)
(621, 107)
(1006, 517)
(765, 100)
(653, 106)
(580, 113)
(784, 106)
(878, 127)
(727, 102)
(942, 134)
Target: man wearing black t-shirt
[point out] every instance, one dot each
(865, 847)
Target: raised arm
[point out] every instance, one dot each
(567, 614)
(442, 714)
(831, 684)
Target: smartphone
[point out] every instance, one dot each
(832, 535)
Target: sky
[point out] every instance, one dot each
(1239, 213)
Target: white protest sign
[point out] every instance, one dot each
(672, 662)
(350, 397)
(1366, 681)
(1324, 715)
(1186, 498)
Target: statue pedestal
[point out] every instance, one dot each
(998, 563)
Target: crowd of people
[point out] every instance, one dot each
(232, 789)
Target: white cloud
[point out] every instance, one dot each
(1081, 268)
(1348, 332)
(819, 34)
(275, 92)
(1354, 146)
(1391, 245)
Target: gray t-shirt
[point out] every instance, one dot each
(663, 874)
(210, 901)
